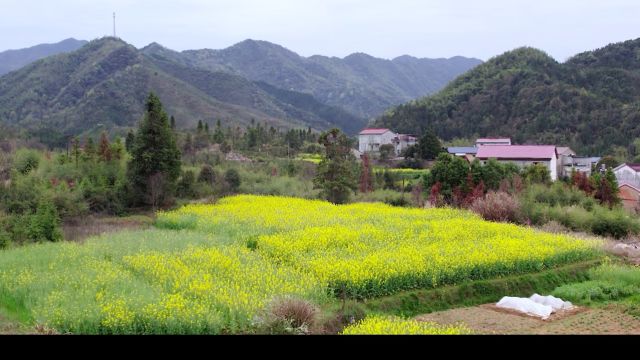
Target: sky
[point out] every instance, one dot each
(386, 29)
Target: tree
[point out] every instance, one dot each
(155, 160)
(606, 188)
(429, 146)
(218, 134)
(366, 175)
(232, 177)
(173, 123)
(75, 150)
(89, 148)
(386, 151)
(207, 175)
(104, 149)
(449, 172)
(336, 176)
(129, 141)
(200, 126)
(537, 174)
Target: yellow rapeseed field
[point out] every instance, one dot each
(369, 250)
(385, 325)
(215, 268)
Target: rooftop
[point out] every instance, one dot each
(373, 131)
(517, 152)
(634, 167)
(462, 150)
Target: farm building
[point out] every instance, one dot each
(493, 141)
(466, 152)
(628, 174)
(522, 156)
(578, 164)
(630, 196)
(370, 140)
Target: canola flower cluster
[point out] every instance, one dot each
(372, 250)
(213, 269)
(386, 325)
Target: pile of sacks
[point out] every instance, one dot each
(536, 305)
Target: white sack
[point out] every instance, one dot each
(526, 306)
(555, 303)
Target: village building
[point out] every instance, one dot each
(465, 152)
(579, 164)
(370, 141)
(628, 174)
(522, 156)
(630, 196)
(493, 141)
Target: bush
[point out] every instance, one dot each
(498, 206)
(5, 238)
(186, 184)
(232, 177)
(26, 161)
(45, 224)
(290, 316)
(207, 175)
(614, 223)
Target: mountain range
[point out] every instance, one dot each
(12, 60)
(591, 102)
(103, 84)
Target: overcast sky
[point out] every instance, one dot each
(423, 28)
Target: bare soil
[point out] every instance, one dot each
(488, 319)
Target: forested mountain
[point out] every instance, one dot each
(104, 84)
(361, 84)
(11, 60)
(591, 102)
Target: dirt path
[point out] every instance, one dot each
(487, 319)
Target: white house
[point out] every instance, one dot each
(370, 140)
(522, 156)
(628, 174)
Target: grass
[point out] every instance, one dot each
(607, 283)
(412, 303)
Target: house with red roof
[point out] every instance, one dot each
(370, 140)
(522, 156)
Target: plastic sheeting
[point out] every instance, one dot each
(536, 305)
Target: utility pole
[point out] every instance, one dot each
(114, 24)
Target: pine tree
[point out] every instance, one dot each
(200, 126)
(336, 175)
(155, 164)
(218, 135)
(75, 150)
(206, 128)
(129, 141)
(104, 149)
(173, 123)
(89, 148)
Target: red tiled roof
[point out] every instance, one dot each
(373, 131)
(516, 152)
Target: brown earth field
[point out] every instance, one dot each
(488, 319)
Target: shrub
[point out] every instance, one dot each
(613, 223)
(45, 224)
(498, 206)
(5, 238)
(290, 315)
(186, 184)
(26, 161)
(232, 177)
(207, 175)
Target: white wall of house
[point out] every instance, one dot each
(552, 165)
(372, 143)
(402, 145)
(626, 175)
